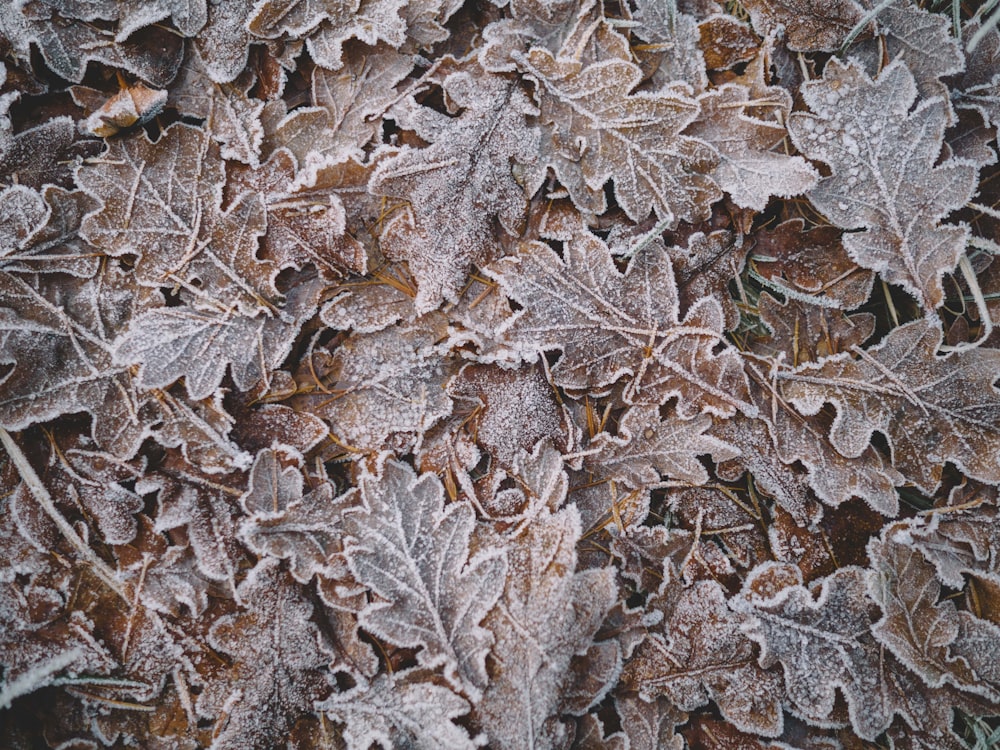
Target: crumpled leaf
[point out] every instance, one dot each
(701, 655)
(611, 326)
(278, 654)
(751, 169)
(467, 169)
(884, 179)
(648, 447)
(414, 552)
(931, 409)
(596, 129)
(400, 710)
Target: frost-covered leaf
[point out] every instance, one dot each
(650, 725)
(931, 409)
(345, 105)
(328, 24)
(162, 202)
(289, 523)
(548, 612)
(381, 387)
(701, 655)
(153, 53)
(230, 115)
(915, 626)
(751, 167)
(278, 659)
(963, 538)
(822, 642)
(513, 410)
(414, 552)
(611, 326)
(811, 25)
(400, 710)
(206, 507)
(468, 170)
(812, 262)
(648, 448)
(62, 356)
(170, 343)
(884, 179)
(45, 154)
(922, 39)
(979, 86)
(39, 233)
(596, 129)
(307, 220)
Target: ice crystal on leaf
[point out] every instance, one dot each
(548, 374)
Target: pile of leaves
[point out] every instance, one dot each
(535, 374)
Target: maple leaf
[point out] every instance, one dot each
(279, 659)
(596, 130)
(548, 613)
(822, 644)
(648, 447)
(931, 409)
(415, 553)
(611, 326)
(702, 655)
(467, 169)
(400, 710)
(884, 179)
(749, 168)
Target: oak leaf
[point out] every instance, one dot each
(611, 326)
(931, 409)
(468, 168)
(414, 552)
(883, 175)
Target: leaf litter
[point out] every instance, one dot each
(419, 373)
